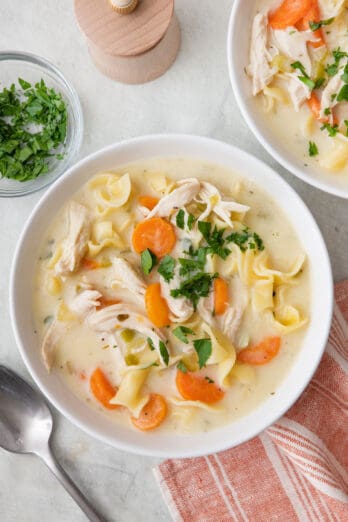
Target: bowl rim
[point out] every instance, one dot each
(93, 431)
(248, 117)
(76, 109)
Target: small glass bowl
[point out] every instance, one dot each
(32, 68)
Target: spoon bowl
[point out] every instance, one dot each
(25, 427)
(25, 420)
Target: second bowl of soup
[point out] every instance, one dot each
(288, 64)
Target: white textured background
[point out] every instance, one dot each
(193, 97)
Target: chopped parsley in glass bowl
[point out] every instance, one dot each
(41, 123)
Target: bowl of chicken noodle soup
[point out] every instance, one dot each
(288, 64)
(174, 304)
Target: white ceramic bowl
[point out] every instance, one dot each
(152, 443)
(238, 45)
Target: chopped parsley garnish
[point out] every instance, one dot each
(180, 219)
(346, 124)
(33, 125)
(164, 352)
(332, 68)
(305, 78)
(190, 221)
(166, 268)
(327, 111)
(312, 148)
(203, 349)
(195, 287)
(150, 343)
(209, 379)
(182, 366)
(319, 82)
(148, 261)
(317, 25)
(181, 333)
(343, 94)
(345, 73)
(214, 239)
(246, 239)
(331, 129)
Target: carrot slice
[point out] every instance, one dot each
(315, 106)
(262, 353)
(90, 264)
(312, 15)
(156, 306)
(148, 201)
(102, 389)
(153, 413)
(220, 295)
(288, 13)
(156, 234)
(194, 388)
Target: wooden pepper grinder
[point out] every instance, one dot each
(130, 41)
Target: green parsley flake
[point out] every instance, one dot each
(33, 125)
(182, 367)
(164, 352)
(331, 129)
(211, 381)
(148, 261)
(317, 25)
(343, 94)
(166, 268)
(312, 149)
(180, 219)
(203, 349)
(150, 343)
(181, 333)
(195, 287)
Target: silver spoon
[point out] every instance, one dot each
(26, 426)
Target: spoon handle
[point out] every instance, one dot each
(50, 461)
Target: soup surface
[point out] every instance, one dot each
(171, 294)
(299, 73)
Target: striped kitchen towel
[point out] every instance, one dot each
(296, 470)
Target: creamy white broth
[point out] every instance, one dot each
(81, 350)
(295, 129)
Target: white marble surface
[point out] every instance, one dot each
(193, 97)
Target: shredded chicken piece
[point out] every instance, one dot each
(75, 244)
(328, 101)
(180, 307)
(293, 44)
(260, 69)
(331, 8)
(182, 195)
(126, 277)
(120, 316)
(299, 92)
(49, 343)
(210, 196)
(85, 303)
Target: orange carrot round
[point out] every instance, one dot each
(102, 389)
(156, 234)
(194, 388)
(148, 201)
(315, 106)
(153, 413)
(312, 15)
(156, 306)
(261, 353)
(220, 295)
(288, 13)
